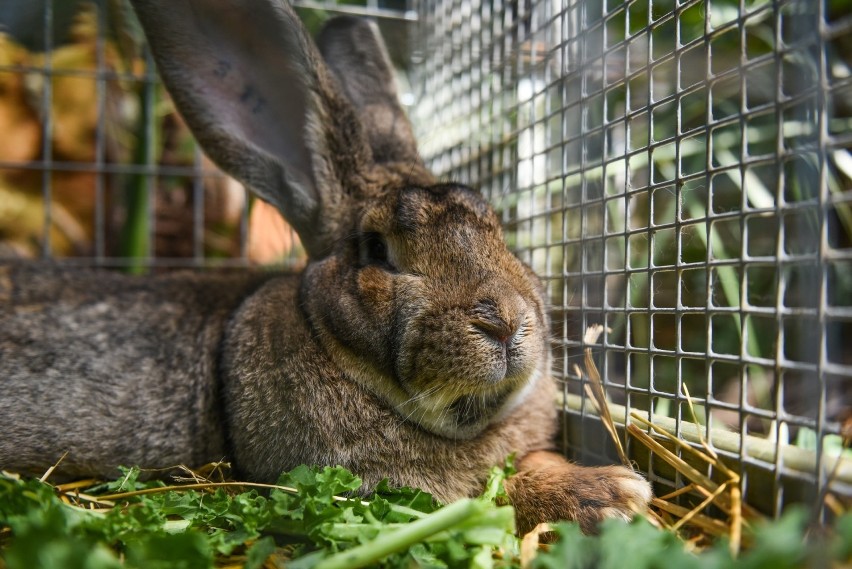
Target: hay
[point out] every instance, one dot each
(665, 512)
(731, 517)
(596, 391)
(532, 543)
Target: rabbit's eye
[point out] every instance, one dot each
(372, 250)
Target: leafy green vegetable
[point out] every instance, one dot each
(639, 545)
(325, 524)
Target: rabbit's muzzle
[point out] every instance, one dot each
(465, 367)
(505, 341)
(493, 325)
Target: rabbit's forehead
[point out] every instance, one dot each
(415, 209)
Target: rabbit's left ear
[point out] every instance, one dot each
(258, 97)
(356, 55)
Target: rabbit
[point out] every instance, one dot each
(413, 346)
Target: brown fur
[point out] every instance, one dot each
(547, 488)
(414, 346)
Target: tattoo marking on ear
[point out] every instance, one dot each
(223, 67)
(253, 99)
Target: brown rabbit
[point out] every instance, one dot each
(414, 346)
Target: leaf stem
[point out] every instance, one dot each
(400, 539)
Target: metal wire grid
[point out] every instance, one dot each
(48, 166)
(679, 173)
(117, 180)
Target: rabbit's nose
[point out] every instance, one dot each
(489, 321)
(499, 331)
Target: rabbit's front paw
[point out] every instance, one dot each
(564, 491)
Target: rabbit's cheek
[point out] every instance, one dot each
(524, 354)
(376, 290)
(357, 318)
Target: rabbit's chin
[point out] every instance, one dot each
(447, 413)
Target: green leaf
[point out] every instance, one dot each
(44, 530)
(573, 550)
(638, 545)
(404, 537)
(423, 557)
(412, 499)
(121, 524)
(259, 552)
(841, 546)
(58, 552)
(189, 550)
(494, 490)
(396, 528)
(779, 544)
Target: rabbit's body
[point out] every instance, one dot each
(184, 341)
(331, 418)
(112, 369)
(413, 347)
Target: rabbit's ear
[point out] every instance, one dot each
(257, 96)
(357, 56)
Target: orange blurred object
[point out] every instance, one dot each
(79, 99)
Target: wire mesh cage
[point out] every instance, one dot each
(96, 166)
(677, 172)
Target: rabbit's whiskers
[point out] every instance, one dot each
(418, 408)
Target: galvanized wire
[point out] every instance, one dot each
(678, 172)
